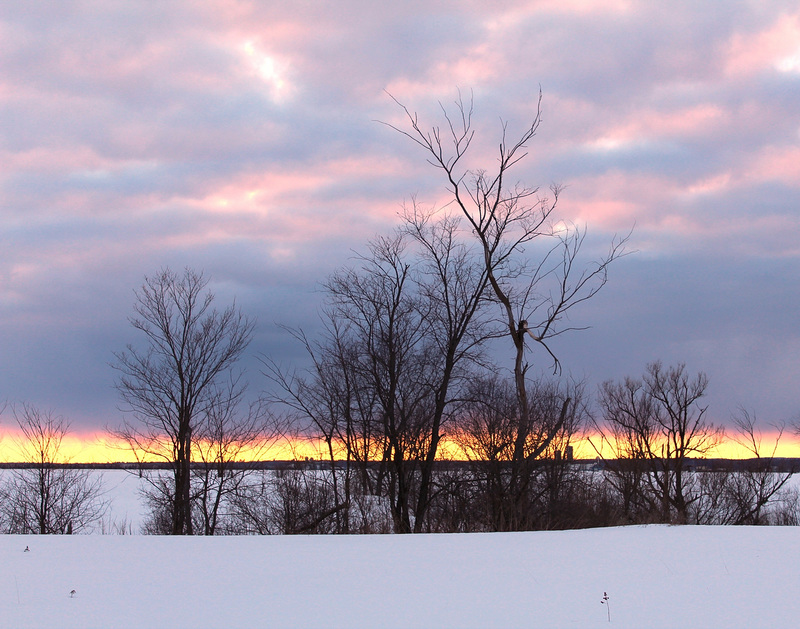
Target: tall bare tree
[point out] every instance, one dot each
(169, 387)
(453, 284)
(508, 221)
(402, 324)
(46, 496)
(378, 303)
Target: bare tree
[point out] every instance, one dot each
(46, 496)
(381, 308)
(627, 431)
(407, 323)
(329, 402)
(169, 388)
(226, 443)
(660, 420)
(401, 326)
(453, 285)
(508, 221)
(744, 492)
(683, 427)
(488, 432)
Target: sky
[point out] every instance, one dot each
(241, 139)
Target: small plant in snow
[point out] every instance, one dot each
(605, 601)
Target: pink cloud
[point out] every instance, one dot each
(716, 183)
(616, 199)
(647, 125)
(766, 50)
(281, 208)
(777, 164)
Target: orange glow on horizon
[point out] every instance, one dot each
(787, 447)
(104, 448)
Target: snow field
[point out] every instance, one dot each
(655, 576)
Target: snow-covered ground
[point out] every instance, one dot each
(126, 508)
(655, 576)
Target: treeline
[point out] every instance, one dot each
(648, 434)
(433, 323)
(562, 496)
(347, 495)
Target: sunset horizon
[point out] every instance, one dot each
(101, 447)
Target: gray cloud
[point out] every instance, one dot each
(240, 138)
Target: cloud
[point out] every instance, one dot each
(240, 138)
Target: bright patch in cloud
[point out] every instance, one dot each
(773, 48)
(790, 63)
(609, 143)
(271, 71)
(710, 185)
(656, 125)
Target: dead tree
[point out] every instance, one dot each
(509, 221)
